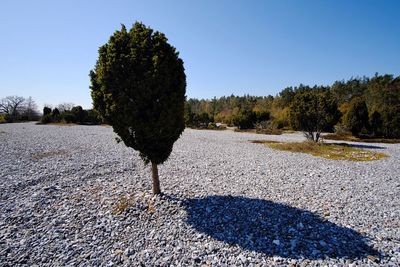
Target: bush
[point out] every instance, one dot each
(199, 121)
(3, 119)
(92, 117)
(267, 127)
(68, 117)
(46, 119)
(212, 126)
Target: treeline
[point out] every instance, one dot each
(17, 109)
(20, 109)
(368, 107)
(68, 113)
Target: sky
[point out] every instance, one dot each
(228, 47)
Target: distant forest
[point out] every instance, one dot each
(368, 106)
(364, 107)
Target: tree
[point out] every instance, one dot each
(79, 114)
(65, 107)
(31, 110)
(357, 119)
(313, 111)
(46, 111)
(56, 115)
(138, 86)
(12, 107)
(245, 119)
(56, 112)
(376, 123)
(391, 121)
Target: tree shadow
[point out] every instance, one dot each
(274, 229)
(360, 146)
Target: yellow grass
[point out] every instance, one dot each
(328, 151)
(351, 138)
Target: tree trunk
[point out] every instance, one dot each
(156, 181)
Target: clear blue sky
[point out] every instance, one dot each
(242, 47)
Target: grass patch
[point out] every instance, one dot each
(344, 137)
(328, 151)
(122, 204)
(263, 131)
(42, 155)
(141, 202)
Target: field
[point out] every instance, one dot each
(74, 196)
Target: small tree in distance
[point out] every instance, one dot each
(138, 86)
(313, 111)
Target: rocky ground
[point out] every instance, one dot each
(70, 195)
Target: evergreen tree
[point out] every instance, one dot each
(138, 86)
(312, 111)
(357, 118)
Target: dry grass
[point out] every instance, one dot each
(128, 201)
(42, 155)
(328, 151)
(122, 204)
(263, 131)
(342, 137)
(61, 123)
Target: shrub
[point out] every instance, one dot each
(68, 117)
(3, 118)
(46, 119)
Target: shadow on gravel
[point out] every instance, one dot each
(363, 146)
(274, 229)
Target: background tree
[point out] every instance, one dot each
(376, 123)
(356, 119)
(65, 107)
(56, 115)
(78, 114)
(46, 111)
(312, 111)
(30, 112)
(391, 121)
(12, 107)
(138, 85)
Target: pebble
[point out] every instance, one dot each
(73, 196)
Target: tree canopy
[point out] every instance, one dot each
(312, 112)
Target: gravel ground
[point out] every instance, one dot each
(70, 195)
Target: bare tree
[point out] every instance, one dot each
(31, 109)
(12, 106)
(65, 107)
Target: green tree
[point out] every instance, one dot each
(391, 121)
(138, 86)
(46, 111)
(356, 119)
(55, 114)
(376, 123)
(313, 111)
(245, 119)
(79, 114)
